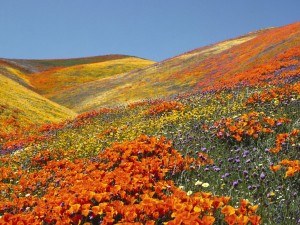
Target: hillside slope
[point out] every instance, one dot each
(56, 82)
(212, 67)
(21, 107)
(14, 72)
(54, 78)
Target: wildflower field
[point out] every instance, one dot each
(221, 157)
(224, 154)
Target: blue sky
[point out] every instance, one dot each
(152, 29)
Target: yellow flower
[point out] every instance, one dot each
(272, 193)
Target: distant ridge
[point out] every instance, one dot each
(38, 65)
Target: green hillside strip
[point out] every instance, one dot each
(27, 106)
(80, 61)
(46, 64)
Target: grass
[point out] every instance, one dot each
(33, 66)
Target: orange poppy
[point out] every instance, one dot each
(275, 168)
(228, 210)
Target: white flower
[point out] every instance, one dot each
(198, 182)
(205, 185)
(181, 187)
(189, 193)
(27, 195)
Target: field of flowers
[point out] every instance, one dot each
(226, 153)
(218, 157)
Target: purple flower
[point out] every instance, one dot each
(245, 153)
(203, 149)
(237, 161)
(235, 183)
(262, 176)
(248, 160)
(206, 169)
(217, 169)
(254, 174)
(226, 175)
(245, 172)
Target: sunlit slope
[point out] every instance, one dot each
(14, 72)
(216, 66)
(56, 82)
(21, 107)
(151, 82)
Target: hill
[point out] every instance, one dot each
(222, 65)
(53, 78)
(20, 69)
(56, 82)
(20, 107)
